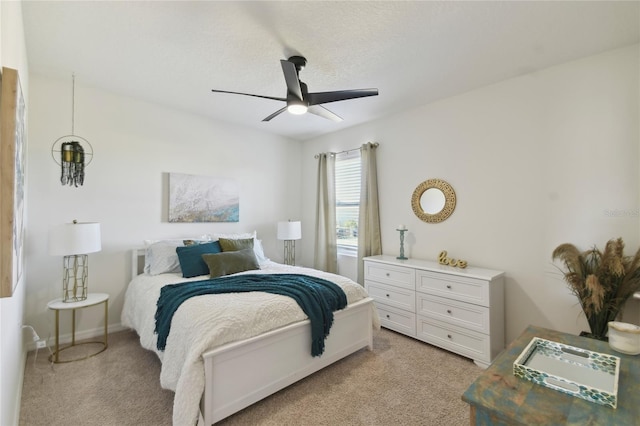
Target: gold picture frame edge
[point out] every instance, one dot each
(10, 98)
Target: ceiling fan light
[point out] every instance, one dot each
(297, 109)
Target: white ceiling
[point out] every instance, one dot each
(173, 53)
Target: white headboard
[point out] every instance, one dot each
(137, 261)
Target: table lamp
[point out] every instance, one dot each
(289, 232)
(74, 241)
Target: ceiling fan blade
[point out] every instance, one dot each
(291, 77)
(339, 95)
(325, 113)
(249, 94)
(278, 112)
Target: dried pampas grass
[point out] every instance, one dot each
(602, 282)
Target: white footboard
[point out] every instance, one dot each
(242, 373)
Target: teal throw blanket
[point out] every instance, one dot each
(318, 298)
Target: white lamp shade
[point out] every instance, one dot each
(289, 230)
(74, 238)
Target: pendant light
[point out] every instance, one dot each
(72, 153)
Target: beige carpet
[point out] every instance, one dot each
(401, 382)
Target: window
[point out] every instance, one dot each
(347, 200)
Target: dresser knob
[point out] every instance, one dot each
(387, 295)
(449, 286)
(388, 274)
(448, 311)
(449, 336)
(388, 316)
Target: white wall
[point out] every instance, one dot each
(13, 54)
(135, 144)
(535, 161)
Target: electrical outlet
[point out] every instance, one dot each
(41, 344)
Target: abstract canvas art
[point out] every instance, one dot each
(12, 161)
(195, 198)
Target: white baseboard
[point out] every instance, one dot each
(80, 335)
(18, 404)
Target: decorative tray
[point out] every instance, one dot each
(585, 374)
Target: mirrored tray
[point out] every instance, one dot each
(585, 374)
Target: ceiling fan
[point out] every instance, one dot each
(299, 100)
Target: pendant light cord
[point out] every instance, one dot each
(73, 102)
(81, 152)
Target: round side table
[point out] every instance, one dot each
(58, 305)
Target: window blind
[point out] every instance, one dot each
(347, 197)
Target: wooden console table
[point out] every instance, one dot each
(497, 397)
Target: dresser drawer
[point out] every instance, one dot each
(456, 339)
(396, 319)
(393, 296)
(451, 311)
(387, 274)
(466, 289)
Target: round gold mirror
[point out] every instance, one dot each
(433, 200)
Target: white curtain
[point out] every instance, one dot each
(326, 252)
(369, 239)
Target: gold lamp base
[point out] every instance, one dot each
(290, 252)
(75, 278)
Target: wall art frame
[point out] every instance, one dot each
(194, 198)
(12, 178)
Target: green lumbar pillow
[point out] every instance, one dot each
(230, 262)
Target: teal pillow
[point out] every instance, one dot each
(228, 244)
(230, 262)
(190, 258)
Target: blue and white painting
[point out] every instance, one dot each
(203, 199)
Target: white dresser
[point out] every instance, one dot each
(461, 310)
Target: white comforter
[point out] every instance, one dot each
(205, 322)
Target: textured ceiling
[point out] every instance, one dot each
(173, 53)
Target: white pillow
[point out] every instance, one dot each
(161, 257)
(242, 236)
(259, 251)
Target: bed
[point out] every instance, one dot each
(260, 344)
